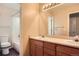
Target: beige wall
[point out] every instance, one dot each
(43, 23)
(33, 22)
(29, 25)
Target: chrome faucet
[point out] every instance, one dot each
(76, 38)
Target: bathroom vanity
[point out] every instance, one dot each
(53, 47)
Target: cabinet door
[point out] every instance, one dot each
(39, 51)
(36, 47)
(67, 50)
(49, 49)
(32, 52)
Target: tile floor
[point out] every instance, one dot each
(13, 52)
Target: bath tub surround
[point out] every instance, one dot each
(16, 45)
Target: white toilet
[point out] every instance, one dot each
(5, 45)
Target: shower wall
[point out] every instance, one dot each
(5, 21)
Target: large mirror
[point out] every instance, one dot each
(60, 20)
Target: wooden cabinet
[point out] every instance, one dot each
(42, 48)
(49, 49)
(66, 51)
(36, 48)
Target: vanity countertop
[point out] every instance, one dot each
(66, 42)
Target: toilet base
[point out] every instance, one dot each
(5, 51)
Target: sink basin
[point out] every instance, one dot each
(73, 41)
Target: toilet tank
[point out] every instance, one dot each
(4, 38)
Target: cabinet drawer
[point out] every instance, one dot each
(36, 42)
(61, 54)
(67, 50)
(49, 45)
(48, 52)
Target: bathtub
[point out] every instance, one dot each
(16, 46)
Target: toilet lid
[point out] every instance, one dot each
(5, 44)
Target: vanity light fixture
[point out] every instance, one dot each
(50, 5)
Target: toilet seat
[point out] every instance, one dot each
(5, 44)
